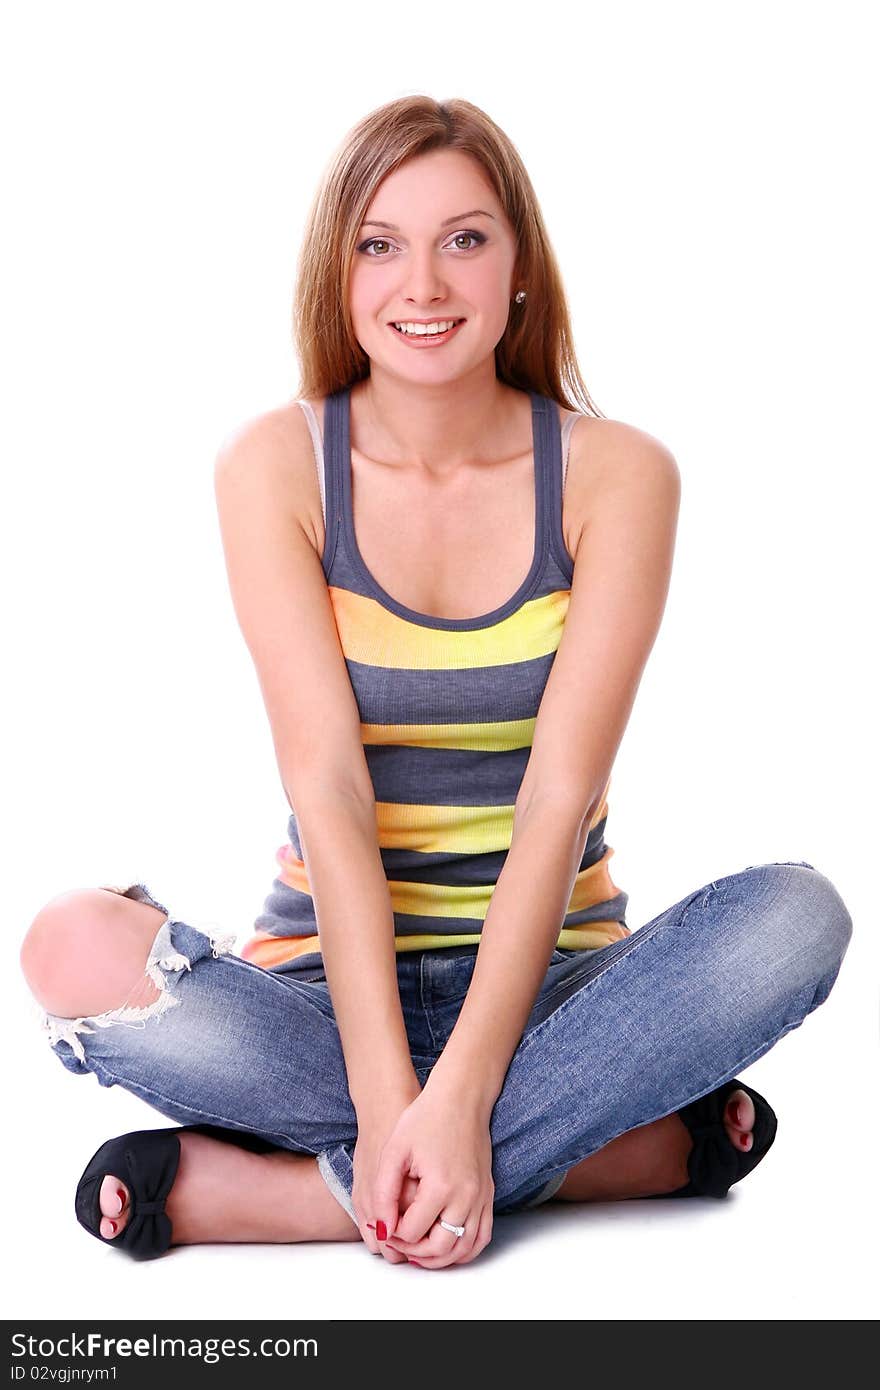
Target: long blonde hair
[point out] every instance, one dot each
(536, 351)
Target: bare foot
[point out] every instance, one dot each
(652, 1158)
(225, 1193)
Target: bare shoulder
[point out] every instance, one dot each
(609, 458)
(274, 450)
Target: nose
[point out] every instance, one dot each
(424, 283)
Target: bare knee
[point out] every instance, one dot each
(86, 951)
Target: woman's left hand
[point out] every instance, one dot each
(447, 1147)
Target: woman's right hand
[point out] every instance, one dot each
(374, 1126)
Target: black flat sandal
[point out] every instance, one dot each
(714, 1165)
(146, 1160)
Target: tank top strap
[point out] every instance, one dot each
(333, 462)
(318, 450)
(567, 427)
(551, 457)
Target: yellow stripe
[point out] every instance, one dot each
(444, 829)
(592, 885)
(374, 636)
(501, 737)
(441, 899)
(424, 830)
(450, 829)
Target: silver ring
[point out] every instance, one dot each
(448, 1226)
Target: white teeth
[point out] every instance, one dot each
(427, 328)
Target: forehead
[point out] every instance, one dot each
(433, 187)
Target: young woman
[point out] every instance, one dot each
(449, 578)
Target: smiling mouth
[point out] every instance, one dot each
(431, 336)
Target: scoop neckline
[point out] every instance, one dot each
(412, 614)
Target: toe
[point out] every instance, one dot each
(739, 1119)
(114, 1206)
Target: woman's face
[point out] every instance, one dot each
(446, 251)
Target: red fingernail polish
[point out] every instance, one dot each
(381, 1230)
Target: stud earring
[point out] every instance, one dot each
(520, 296)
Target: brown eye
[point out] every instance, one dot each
(374, 241)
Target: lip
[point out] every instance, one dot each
(426, 340)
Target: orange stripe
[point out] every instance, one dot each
(266, 950)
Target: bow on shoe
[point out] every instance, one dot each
(147, 1162)
(714, 1165)
(713, 1162)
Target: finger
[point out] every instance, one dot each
(436, 1242)
(392, 1257)
(484, 1235)
(368, 1233)
(435, 1257)
(464, 1249)
(407, 1196)
(387, 1251)
(440, 1242)
(390, 1174)
(417, 1221)
(367, 1227)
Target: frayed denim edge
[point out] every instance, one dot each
(163, 957)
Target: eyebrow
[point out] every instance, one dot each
(459, 217)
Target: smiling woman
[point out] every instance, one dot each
(434, 281)
(442, 1013)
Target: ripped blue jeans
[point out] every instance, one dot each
(618, 1036)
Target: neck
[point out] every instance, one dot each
(434, 427)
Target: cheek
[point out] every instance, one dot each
(365, 296)
(485, 288)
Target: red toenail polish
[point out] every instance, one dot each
(113, 1224)
(381, 1230)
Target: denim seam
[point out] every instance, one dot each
(426, 999)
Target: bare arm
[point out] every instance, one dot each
(283, 607)
(622, 571)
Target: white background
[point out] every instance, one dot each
(704, 175)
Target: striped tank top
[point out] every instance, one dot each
(448, 709)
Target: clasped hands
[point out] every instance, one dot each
(422, 1156)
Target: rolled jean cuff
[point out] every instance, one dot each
(550, 1188)
(336, 1167)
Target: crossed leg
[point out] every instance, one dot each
(85, 952)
